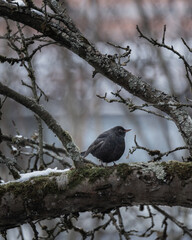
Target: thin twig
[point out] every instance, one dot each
(132, 107)
(179, 224)
(155, 152)
(170, 48)
(163, 38)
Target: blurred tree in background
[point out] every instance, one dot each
(141, 46)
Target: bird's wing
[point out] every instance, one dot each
(97, 143)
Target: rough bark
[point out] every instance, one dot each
(70, 37)
(95, 189)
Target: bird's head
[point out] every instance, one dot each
(121, 131)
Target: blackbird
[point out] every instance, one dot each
(109, 146)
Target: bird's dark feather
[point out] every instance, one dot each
(109, 146)
(97, 143)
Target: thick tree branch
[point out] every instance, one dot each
(31, 104)
(95, 189)
(62, 30)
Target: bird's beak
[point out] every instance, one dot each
(127, 130)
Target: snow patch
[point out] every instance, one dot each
(14, 149)
(37, 12)
(18, 2)
(27, 176)
(18, 136)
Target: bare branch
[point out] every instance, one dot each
(164, 31)
(126, 54)
(170, 48)
(131, 106)
(155, 152)
(179, 224)
(11, 164)
(184, 42)
(64, 136)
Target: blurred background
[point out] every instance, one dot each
(67, 80)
